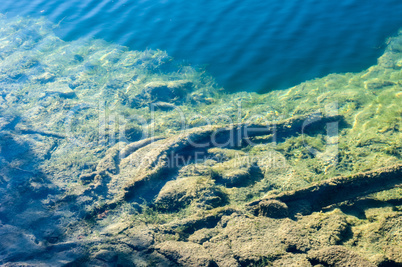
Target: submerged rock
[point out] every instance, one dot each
(196, 190)
(338, 256)
(186, 254)
(132, 132)
(376, 84)
(272, 209)
(16, 244)
(237, 172)
(314, 232)
(71, 194)
(224, 154)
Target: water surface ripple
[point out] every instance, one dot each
(247, 45)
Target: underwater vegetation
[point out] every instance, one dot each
(116, 157)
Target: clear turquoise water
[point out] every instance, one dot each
(246, 45)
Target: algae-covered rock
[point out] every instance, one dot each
(376, 84)
(234, 177)
(140, 237)
(387, 60)
(132, 132)
(202, 169)
(224, 154)
(249, 240)
(236, 172)
(272, 209)
(395, 45)
(295, 260)
(111, 160)
(185, 253)
(80, 186)
(196, 190)
(315, 231)
(384, 233)
(338, 256)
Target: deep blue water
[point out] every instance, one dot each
(249, 45)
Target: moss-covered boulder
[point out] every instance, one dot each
(237, 172)
(186, 254)
(196, 190)
(338, 256)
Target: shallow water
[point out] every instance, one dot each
(82, 184)
(246, 45)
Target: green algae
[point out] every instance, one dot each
(99, 97)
